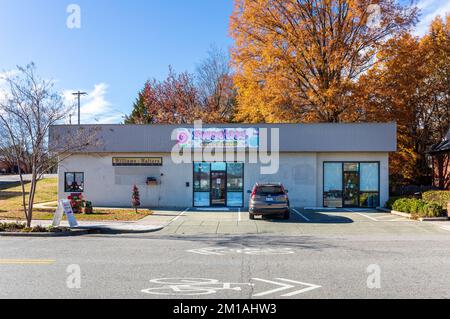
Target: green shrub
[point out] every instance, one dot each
(391, 201)
(402, 205)
(418, 207)
(439, 197)
(432, 210)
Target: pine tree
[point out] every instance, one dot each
(139, 115)
(135, 198)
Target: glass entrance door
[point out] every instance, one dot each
(218, 188)
(351, 189)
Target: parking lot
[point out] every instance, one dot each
(302, 222)
(223, 254)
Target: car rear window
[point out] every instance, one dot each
(269, 190)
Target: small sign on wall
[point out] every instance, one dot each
(137, 161)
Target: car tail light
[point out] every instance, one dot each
(253, 193)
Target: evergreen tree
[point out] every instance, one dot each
(139, 115)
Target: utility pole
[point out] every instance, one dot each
(79, 94)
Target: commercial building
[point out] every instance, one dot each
(321, 165)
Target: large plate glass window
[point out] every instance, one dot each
(235, 184)
(332, 185)
(74, 182)
(202, 187)
(369, 186)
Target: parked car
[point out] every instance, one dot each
(269, 199)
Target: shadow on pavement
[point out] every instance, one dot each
(244, 241)
(313, 218)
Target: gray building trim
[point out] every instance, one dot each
(322, 137)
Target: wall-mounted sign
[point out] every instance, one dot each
(137, 161)
(218, 137)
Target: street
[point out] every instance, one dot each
(214, 254)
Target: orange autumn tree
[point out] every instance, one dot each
(411, 86)
(298, 60)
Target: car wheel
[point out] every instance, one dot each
(252, 216)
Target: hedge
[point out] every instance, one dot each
(418, 207)
(439, 197)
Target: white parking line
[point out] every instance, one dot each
(301, 215)
(385, 216)
(369, 217)
(361, 214)
(179, 215)
(239, 214)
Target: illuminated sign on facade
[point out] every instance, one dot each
(218, 137)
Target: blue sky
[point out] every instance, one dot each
(120, 44)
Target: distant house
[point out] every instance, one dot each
(7, 167)
(440, 153)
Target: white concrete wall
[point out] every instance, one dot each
(301, 173)
(101, 183)
(296, 172)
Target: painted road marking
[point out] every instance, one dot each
(205, 286)
(222, 251)
(26, 262)
(369, 217)
(301, 215)
(191, 286)
(284, 286)
(239, 214)
(179, 215)
(385, 216)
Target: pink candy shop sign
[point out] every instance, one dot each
(217, 137)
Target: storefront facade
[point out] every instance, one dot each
(321, 165)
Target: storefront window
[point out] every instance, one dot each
(235, 177)
(202, 179)
(201, 199)
(351, 184)
(218, 184)
(73, 182)
(218, 167)
(332, 185)
(369, 188)
(235, 184)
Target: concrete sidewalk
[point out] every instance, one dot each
(157, 221)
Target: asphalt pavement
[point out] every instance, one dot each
(318, 254)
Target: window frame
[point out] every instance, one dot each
(74, 177)
(226, 183)
(359, 180)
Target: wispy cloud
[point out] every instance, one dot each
(3, 84)
(429, 10)
(95, 108)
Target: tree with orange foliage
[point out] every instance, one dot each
(298, 60)
(411, 86)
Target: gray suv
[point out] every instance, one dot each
(269, 199)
